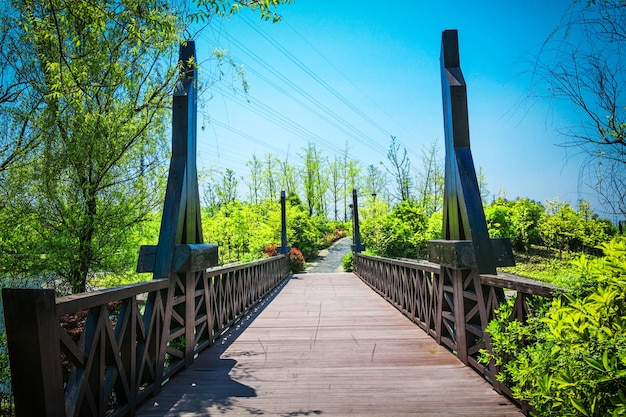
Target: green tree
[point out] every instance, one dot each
(18, 102)
(226, 190)
(395, 233)
(243, 230)
(86, 97)
(287, 177)
(314, 180)
(431, 180)
(375, 181)
(270, 177)
(560, 226)
(525, 217)
(565, 228)
(399, 169)
(350, 172)
(254, 179)
(499, 219)
(335, 185)
(104, 78)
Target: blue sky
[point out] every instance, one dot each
(340, 73)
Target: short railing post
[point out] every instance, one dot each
(283, 224)
(34, 349)
(355, 222)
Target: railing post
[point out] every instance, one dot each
(355, 222)
(283, 224)
(33, 340)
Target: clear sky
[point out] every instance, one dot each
(347, 72)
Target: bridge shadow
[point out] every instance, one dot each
(207, 383)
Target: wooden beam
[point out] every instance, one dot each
(187, 257)
(461, 253)
(520, 284)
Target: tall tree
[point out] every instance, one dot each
(430, 180)
(105, 75)
(335, 185)
(254, 181)
(314, 180)
(270, 177)
(350, 175)
(400, 169)
(287, 177)
(375, 180)
(583, 62)
(226, 190)
(347, 191)
(88, 90)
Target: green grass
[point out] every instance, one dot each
(543, 264)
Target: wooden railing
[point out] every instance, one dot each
(453, 305)
(102, 353)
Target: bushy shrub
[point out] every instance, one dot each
(6, 391)
(270, 250)
(302, 232)
(346, 262)
(396, 234)
(296, 261)
(245, 231)
(329, 238)
(571, 361)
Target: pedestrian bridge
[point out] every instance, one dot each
(253, 340)
(326, 344)
(395, 338)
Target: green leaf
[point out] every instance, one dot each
(578, 406)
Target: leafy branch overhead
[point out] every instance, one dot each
(224, 8)
(84, 104)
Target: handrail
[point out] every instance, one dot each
(118, 346)
(83, 301)
(521, 284)
(454, 306)
(427, 266)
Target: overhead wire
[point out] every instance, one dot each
(373, 143)
(345, 77)
(325, 85)
(315, 107)
(318, 108)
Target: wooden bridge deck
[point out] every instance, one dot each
(327, 345)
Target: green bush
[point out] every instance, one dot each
(400, 233)
(296, 261)
(302, 232)
(346, 262)
(6, 392)
(571, 361)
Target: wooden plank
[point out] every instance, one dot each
(521, 284)
(327, 345)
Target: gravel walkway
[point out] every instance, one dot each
(329, 260)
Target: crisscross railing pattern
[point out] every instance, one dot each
(101, 353)
(453, 305)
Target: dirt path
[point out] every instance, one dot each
(329, 260)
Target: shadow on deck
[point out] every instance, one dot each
(326, 344)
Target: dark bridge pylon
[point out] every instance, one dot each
(466, 250)
(463, 214)
(180, 237)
